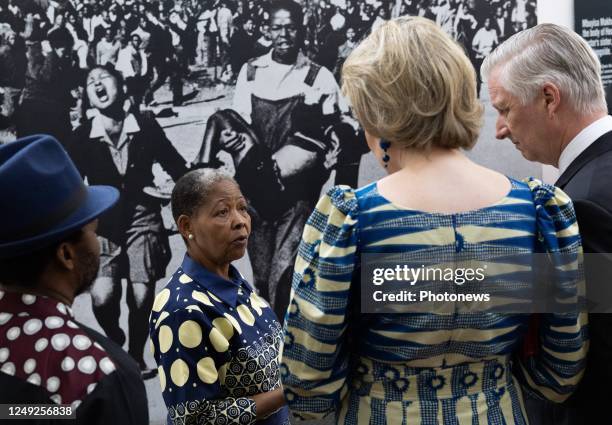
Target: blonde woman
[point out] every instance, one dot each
(414, 92)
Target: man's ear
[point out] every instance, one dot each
(552, 98)
(65, 255)
(184, 225)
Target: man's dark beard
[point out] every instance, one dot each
(88, 270)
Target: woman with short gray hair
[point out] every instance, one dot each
(414, 92)
(216, 342)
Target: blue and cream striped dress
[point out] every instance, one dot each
(423, 368)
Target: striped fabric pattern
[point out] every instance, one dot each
(424, 368)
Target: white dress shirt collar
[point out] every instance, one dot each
(583, 140)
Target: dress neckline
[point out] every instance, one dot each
(503, 200)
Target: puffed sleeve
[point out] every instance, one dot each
(191, 351)
(555, 368)
(315, 356)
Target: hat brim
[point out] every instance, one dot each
(98, 200)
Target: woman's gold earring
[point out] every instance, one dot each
(190, 236)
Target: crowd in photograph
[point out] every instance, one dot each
(47, 46)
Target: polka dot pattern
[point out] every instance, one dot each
(13, 333)
(41, 344)
(234, 322)
(54, 322)
(165, 339)
(224, 326)
(60, 341)
(81, 342)
(161, 299)
(53, 384)
(245, 315)
(201, 297)
(185, 279)
(29, 366)
(58, 349)
(218, 341)
(32, 326)
(207, 371)
(179, 372)
(87, 365)
(190, 334)
(162, 377)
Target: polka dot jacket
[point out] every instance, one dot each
(46, 356)
(216, 343)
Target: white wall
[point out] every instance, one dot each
(557, 12)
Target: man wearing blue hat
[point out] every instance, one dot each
(49, 253)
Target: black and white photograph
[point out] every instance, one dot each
(139, 92)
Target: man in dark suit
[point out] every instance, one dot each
(546, 86)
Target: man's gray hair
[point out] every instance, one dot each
(549, 53)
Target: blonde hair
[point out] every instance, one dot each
(410, 83)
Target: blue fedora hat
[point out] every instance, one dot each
(42, 196)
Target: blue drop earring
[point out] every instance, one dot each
(384, 145)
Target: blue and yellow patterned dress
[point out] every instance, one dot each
(217, 344)
(424, 368)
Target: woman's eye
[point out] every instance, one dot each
(222, 212)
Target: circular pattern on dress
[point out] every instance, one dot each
(162, 377)
(233, 321)
(60, 342)
(179, 372)
(53, 384)
(207, 372)
(13, 333)
(436, 382)
(165, 339)
(218, 341)
(91, 387)
(8, 368)
(201, 297)
(34, 379)
(161, 299)
(245, 315)
(28, 299)
(193, 307)
(255, 304)
(107, 366)
(32, 326)
(81, 342)
(4, 354)
(498, 372)
(190, 334)
(67, 364)
(213, 296)
(161, 318)
(5, 317)
(56, 398)
(54, 322)
(185, 279)
(469, 379)
(41, 344)
(87, 365)
(224, 326)
(72, 325)
(62, 308)
(29, 366)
